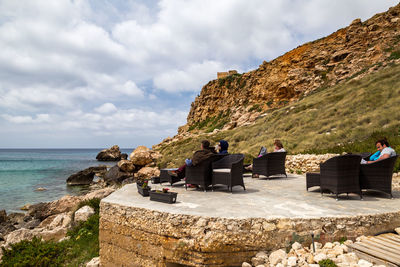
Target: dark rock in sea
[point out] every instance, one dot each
(3, 216)
(115, 175)
(39, 211)
(124, 156)
(110, 154)
(85, 177)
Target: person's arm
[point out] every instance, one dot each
(383, 156)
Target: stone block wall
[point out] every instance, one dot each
(131, 236)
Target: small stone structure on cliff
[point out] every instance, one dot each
(221, 75)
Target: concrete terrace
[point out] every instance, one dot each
(278, 197)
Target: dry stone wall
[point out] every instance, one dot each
(131, 236)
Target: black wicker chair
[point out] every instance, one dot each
(201, 173)
(228, 171)
(341, 175)
(270, 164)
(378, 175)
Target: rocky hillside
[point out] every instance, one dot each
(349, 53)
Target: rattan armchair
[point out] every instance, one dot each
(378, 175)
(341, 175)
(201, 173)
(270, 164)
(228, 171)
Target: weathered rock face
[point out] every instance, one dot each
(146, 173)
(126, 165)
(3, 216)
(115, 175)
(354, 51)
(85, 177)
(143, 156)
(110, 154)
(83, 213)
(43, 210)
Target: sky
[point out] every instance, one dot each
(95, 73)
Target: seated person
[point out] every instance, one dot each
(385, 151)
(278, 147)
(375, 156)
(200, 155)
(222, 147)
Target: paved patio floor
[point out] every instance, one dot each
(278, 197)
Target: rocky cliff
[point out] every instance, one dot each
(349, 53)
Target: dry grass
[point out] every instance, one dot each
(350, 113)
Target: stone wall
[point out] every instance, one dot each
(131, 236)
(303, 163)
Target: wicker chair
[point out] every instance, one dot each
(201, 173)
(341, 175)
(378, 175)
(166, 177)
(270, 164)
(228, 171)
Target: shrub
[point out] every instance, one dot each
(327, 263)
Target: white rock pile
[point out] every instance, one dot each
(304, 256)
(302, 163)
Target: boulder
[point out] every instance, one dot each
(43, 210)
(19, 235)
(126, 166)
(142, 156)
(397, 230)
(95, 262)
(115, 175)
(85, 177)
(83, 213)
(3, 216)
(110, 154)
(101, 193)
(147, 173)
(16, 218)
(62, 220)
(277, 256)
(124, 156)
(6, 228)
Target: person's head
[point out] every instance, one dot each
(205, 144)
(223, 145)
(381, 144)
(278, 144)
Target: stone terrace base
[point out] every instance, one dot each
(223, 229)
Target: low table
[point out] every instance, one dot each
(165, 177)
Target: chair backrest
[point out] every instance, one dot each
(201, 173)
(342, 167)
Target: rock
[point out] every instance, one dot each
(83, 213)
(245, 264)
(62, 220)
(40, 189)
(328, 245)
(32, 224)
(43, 210)
(257, 261)
(85, 177)
(277, 256)
(55, 234)
(126, 166)
(19, 235)
(124, 156)
(296, 246)
(115, 175)
(6, 228)
(147, 173)
(95, 262)
(100, 193)
(319, 257)
(142, 156)
(3, 216)
(25, 207)
(292, 261)
(110, 154)
(16, 218)
(397, 230)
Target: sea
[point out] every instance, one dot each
(23, 171)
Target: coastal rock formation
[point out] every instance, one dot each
(126, 165)
(43, 210)
(146, 173)
(115, 175)
(85, 177)
(110, 154)
(83, 213)
(349, 53)
(143, 156)
(3, 216)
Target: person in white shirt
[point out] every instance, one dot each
(386, 151)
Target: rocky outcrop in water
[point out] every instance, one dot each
(86, 176)
(111, 154)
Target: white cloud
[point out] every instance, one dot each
(40, 118)
(106, 108)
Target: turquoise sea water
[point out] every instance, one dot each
(24, 170)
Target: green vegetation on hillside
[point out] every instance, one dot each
(343, 118)
(82, 246)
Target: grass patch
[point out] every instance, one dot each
(395, 55)
(82, 246)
